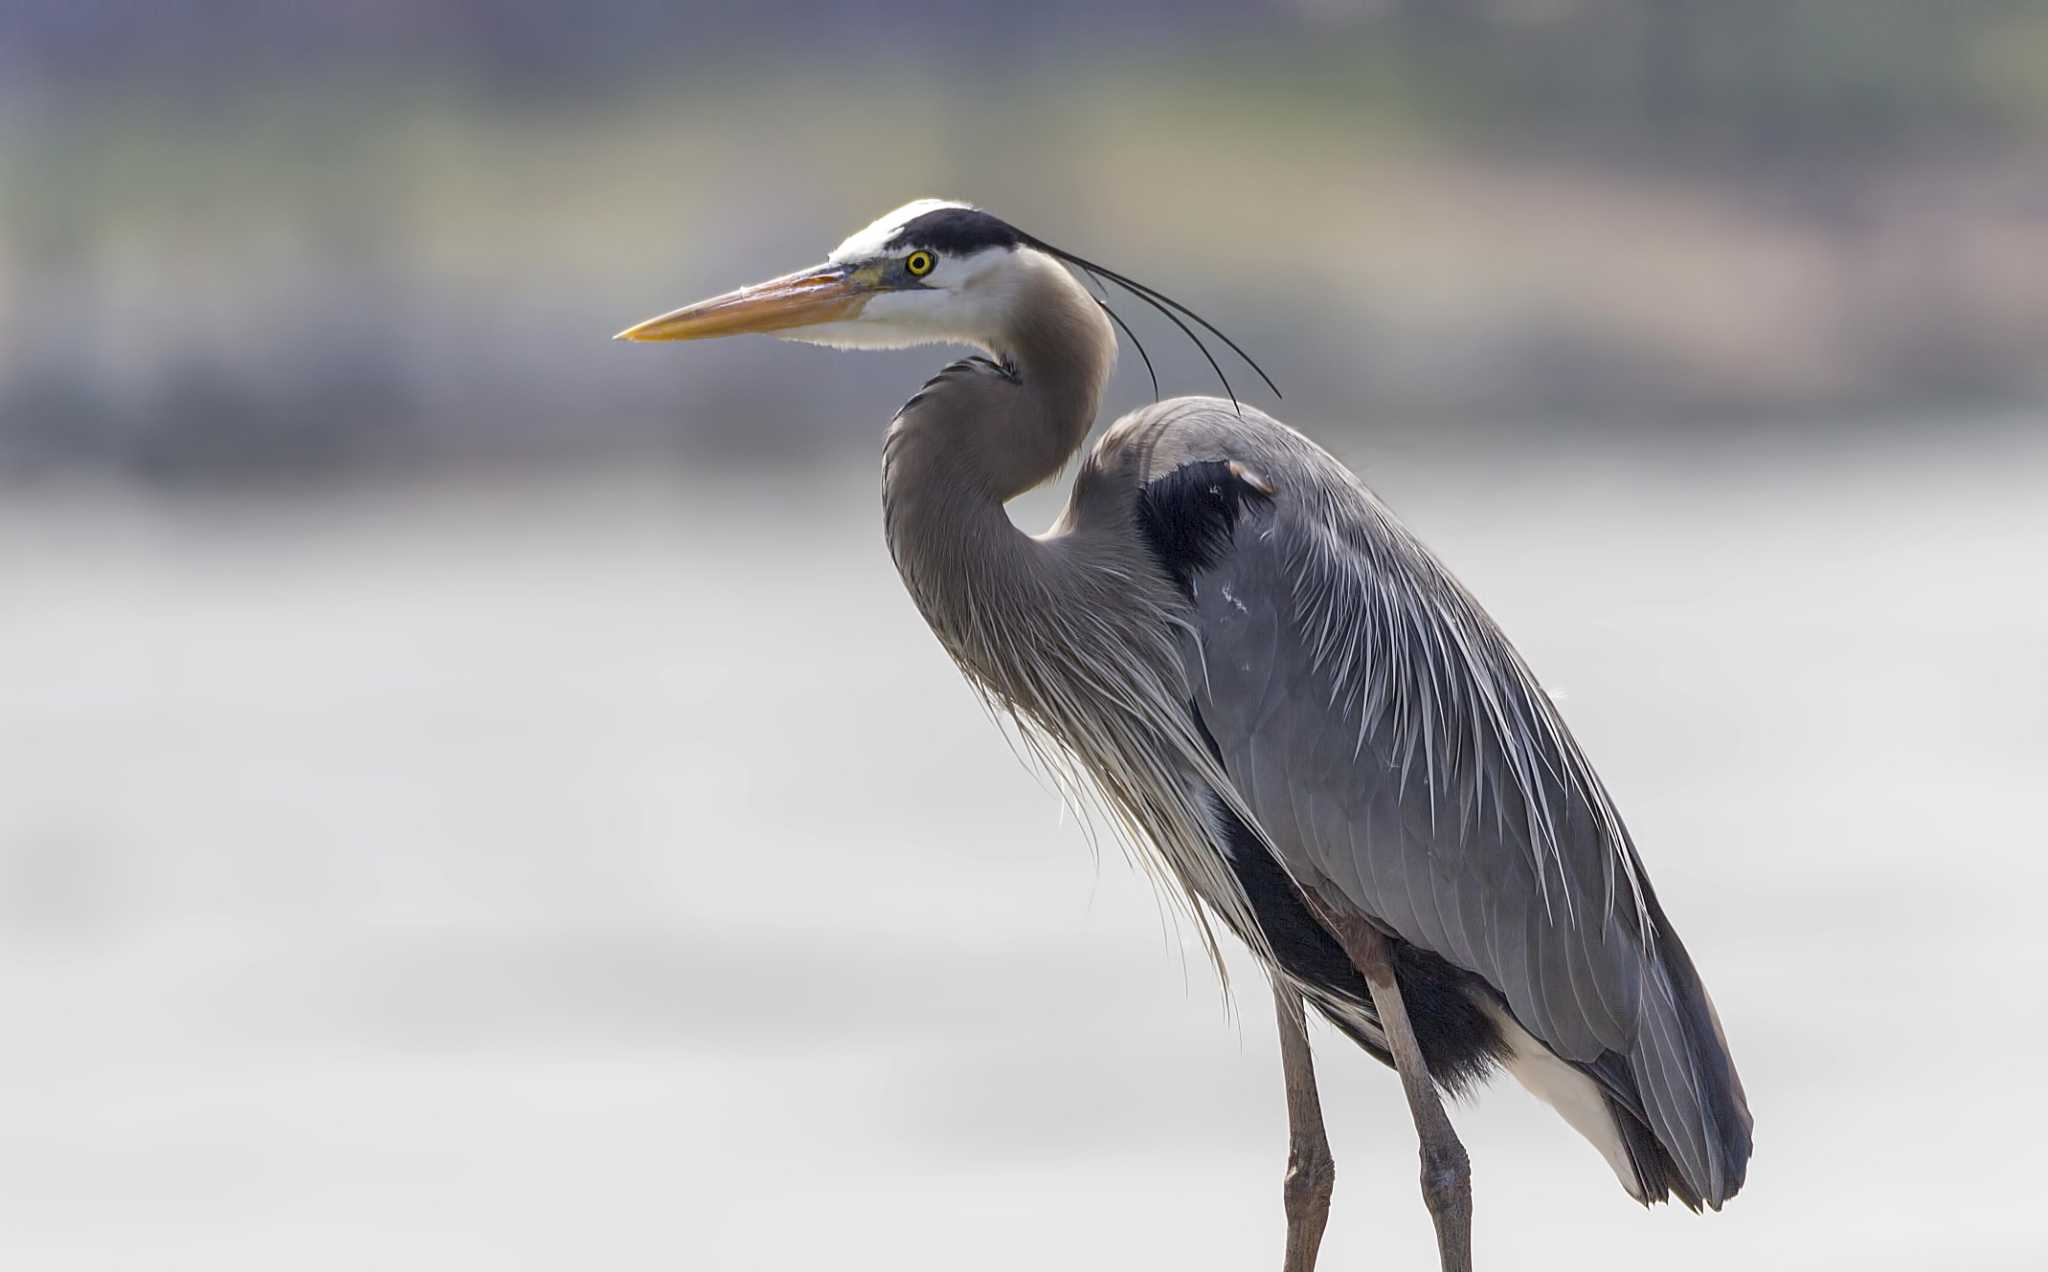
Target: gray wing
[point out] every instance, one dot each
(1402, 759)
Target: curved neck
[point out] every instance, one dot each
(1060, 349)
(1003, 434)
(978, 435)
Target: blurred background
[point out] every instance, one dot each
(476, 795)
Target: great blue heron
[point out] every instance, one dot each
(1287, 706)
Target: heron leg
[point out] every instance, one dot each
(1446, 1169)
(1311, 1174)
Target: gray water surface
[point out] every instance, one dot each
(611, 872)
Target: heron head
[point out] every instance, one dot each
(931, 272)
(934, 272)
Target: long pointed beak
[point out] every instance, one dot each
(823, 293)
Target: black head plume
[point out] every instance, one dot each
(955, 231)
(1165, 304)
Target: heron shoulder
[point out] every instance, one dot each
(1156, 439)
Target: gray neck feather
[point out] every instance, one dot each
(1004, 435)
(976, 437)
(1075, 635)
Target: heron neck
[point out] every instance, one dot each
(1059, 350)
(978, 436)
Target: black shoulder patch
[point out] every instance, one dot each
(1188, 515)
(956, 232)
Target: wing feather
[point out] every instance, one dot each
(1402, 760)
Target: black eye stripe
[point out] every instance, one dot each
(959, 231)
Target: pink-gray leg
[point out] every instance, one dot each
(1446, 1169)
(1311, 1174)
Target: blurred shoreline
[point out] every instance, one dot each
(318, 264)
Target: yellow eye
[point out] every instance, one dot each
(919, 263)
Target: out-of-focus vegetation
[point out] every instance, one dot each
(249, 239)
